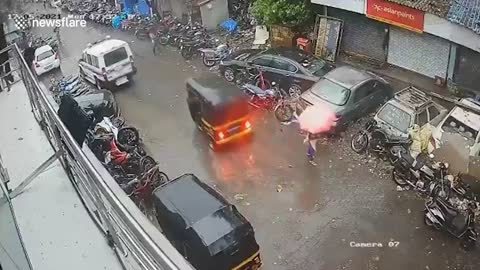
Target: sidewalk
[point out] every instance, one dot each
(57, 231)
(397, 75)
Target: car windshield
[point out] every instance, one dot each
(395, 117)
(115, 56)
(331, 92)
(44, 55)
(463, 122)
(243, 56)
(315, 66)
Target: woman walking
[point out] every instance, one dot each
(311, 142)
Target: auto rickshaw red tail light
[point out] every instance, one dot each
(247, 124)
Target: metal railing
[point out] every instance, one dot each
(136, 241)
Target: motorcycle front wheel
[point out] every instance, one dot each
(207, 62)
(128, 136)
(163, 40)
(186, 54)
(427, 221)
(359, 142)
(399, 177)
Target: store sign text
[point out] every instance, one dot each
(395, 14)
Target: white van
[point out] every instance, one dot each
(463, 122)
(107, 63)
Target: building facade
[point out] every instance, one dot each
(439, 42)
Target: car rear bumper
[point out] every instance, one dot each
(44, 69)
(128, 76)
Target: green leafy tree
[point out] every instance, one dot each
(282, 12)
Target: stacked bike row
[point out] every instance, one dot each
(450, 205)
(116, 145)
(190, 39)
(36, 41)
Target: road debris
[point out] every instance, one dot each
(239, 196)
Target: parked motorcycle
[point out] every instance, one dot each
(418, 174)
(210, 57)
(373, 138)
(127, 137)
(189, 48)
(263, 99)
(443, 216)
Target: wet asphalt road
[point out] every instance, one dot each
(305, 217)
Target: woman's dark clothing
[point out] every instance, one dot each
(29, 55)
(75, 118)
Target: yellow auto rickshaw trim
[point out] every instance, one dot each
(246, 261)
(240, 134)
(245, 118)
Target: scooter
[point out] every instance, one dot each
(210, 57)
(443, 216)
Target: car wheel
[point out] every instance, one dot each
(229, 75)
(295, 91)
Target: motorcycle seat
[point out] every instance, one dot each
(398, 140)
(416, 163)
(448, 209)
(189, 42)
(257, 90)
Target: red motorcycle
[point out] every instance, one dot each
(140, 189)
(253, 76)
(134, 161)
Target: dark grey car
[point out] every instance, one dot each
(292, 69)
(349, 92)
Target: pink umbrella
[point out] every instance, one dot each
(317, 119)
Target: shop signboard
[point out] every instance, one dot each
(328, 33)
(395, 14)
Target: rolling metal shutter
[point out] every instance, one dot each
(422, 53)
(361, 35)
(467, 68)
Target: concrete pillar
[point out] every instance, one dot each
(452, 60)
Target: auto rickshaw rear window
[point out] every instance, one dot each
(226, 113)
(186, 191)
(214, 90)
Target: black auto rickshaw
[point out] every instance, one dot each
(219, 109)
(204, 227)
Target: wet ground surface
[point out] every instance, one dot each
(305, 217)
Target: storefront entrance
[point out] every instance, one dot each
(361, 35)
